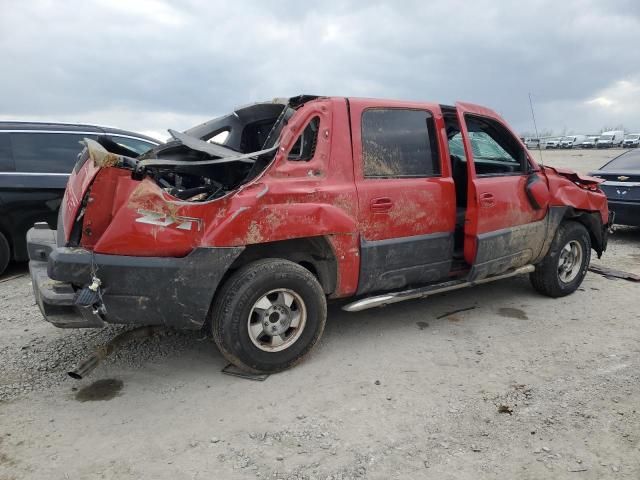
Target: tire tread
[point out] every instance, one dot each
(545, 277)
(238, 285)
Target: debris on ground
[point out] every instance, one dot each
(613, 273)
(447, 314)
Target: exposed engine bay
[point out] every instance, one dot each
(210, 160)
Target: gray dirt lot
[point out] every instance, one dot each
(409, 391)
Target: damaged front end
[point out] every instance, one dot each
(129, 246)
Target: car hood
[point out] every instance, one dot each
(575, 176)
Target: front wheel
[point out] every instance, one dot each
(268, 315)
(564, 267)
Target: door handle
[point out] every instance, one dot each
(382, 204)
(487, 200)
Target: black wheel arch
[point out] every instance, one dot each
(313, 253)
(592, 221)
(5, 232)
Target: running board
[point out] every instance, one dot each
(422, 292)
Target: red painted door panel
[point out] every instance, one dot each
(502, 226)
(400, 207)
(406, 218)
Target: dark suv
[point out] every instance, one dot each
(35, 162)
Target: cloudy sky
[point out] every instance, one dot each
(149, 65)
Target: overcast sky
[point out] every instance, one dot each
(149, 65)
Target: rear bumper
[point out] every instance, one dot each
(626, 213)
(168, 291)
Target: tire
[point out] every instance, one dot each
(5, 253)
(255, 297)
(561, 271)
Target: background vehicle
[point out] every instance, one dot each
(631, 141)
(307, 199)
(35, 162)
(532, 143)
(590, 142)
(571, 141)
(610, 139)
(622, 187)
(552, 143)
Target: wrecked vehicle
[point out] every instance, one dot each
(247, 224)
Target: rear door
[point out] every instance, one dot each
(406, 196)
(504, 227)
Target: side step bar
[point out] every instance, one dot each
(422, 292)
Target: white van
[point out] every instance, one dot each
(571, 141)
(612, 138)
(532, 143)
(552, 142)
(589, 142)
(631, 141)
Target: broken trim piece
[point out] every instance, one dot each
(247, 158)
(100, 156)
(202, 146)
(612, 273)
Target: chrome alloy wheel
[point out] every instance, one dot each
(570, 261)
(277, 320)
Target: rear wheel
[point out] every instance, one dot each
(564, 267)
(5, 253)
(268, 315)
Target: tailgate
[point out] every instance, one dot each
(81, 177)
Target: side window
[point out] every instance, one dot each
(135, 144)
(495, 150)
(6, 158)
(399, 143)
(305, 146)
(46, 152)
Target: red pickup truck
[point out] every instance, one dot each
(246, 225)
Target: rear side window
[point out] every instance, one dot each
(6, 159)
(399, 143)
(304, 147)
(46, 152)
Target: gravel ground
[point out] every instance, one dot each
(513, 386)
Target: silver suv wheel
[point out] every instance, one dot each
(570, 261)
(277, 320)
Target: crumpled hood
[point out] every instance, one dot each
(575, 176)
